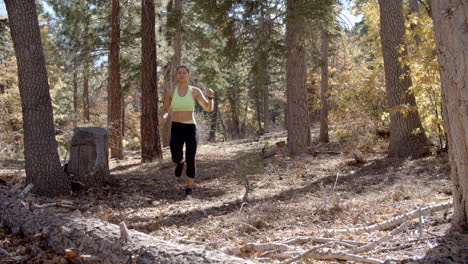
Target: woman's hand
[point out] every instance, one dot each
(164, 118)
(209, 92)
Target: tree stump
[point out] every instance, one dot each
(89, 162)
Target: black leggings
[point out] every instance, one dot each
(184, 133)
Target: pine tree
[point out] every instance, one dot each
(450, 31)
(42, 162)
(115, 118)
(407, 136)
(150, 143)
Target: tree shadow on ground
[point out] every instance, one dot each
(367, 178)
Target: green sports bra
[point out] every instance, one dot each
(183, 103)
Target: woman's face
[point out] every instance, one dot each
(183, 74)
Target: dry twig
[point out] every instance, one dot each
(395, 221)
(379, 241)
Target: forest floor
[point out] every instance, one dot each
(308, 195)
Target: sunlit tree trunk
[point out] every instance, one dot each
(297, 112)
(407, 136)
(150, 144)
(323, 136)
(115, 90)
(451, 36)
(42, 162)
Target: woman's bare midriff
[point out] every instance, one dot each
(182, 116)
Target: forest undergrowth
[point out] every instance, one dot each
(301, 199)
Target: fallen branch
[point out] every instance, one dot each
(310, 251)
(395, 221)
(379, 241)
(4, 252)
(56, 204)
(343, 256)
(305, 239)
(251, 247)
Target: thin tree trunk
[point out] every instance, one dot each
(214, 121)
(451, 36)
(234, 114)
(323, 136)
(86, 92)
(115, 90)
(42, 161)
(414, 9)
(75, 98)
(407, 136)
(150, 144)
(297, 113)
(258, 109)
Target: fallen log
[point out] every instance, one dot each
(102, 241)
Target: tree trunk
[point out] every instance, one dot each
(451, 36)
(176, 19)
(168, 79)
(297, 113)
(115, 90)
(214, 121)
(234, 113)
(150, 144)
(42, 161)
(323, 136)
(86, 92)
(407, 137)
(258, 108)
(414, 9)
(75, 98)
(266, 109)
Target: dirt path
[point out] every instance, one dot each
(304, 196)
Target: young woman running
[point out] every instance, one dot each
(184, 129)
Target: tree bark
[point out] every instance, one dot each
(214, 121)
(75, 98)
(297, 112)
(323, 136)
(115, 91)
(150, 142)
(176, 12)
(42, 161)
(232, 96)
(86, 92)
(407, 136)
(102, 240)
(414, 9)
(451, 37)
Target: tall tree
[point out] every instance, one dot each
(407, 136)
(42, 162)
(115, 90)
(86, 92)
(150, 143)
(323, 136)
(297, 110)
(449, 18)
(175, 25)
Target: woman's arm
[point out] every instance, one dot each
(166, 105)
(206, 103)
